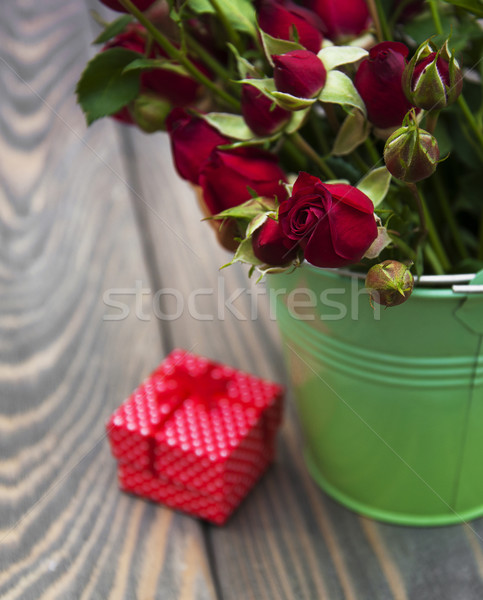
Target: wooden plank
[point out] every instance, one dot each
(288, 540)
(68, 236)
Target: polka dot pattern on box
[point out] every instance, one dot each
(196, 435)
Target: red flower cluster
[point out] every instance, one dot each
(227, 177)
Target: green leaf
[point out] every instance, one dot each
(146, 64)
(353, 132)
(113, 29)
(244, 254)
(375, 185)
(265, 85)
(230, 125)
(472, 6)
(247, 211)
(382, 241)
(275, 46)
(244, 66)
(339, 89)
(104, 88)
(296, 121)
(240, 13)
(289, 102)
(200, 6)
(255, 141)
(257, 222)
(335, 56)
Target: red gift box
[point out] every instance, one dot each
(196, 435)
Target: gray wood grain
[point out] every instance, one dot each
(68, 235)
(85, 212)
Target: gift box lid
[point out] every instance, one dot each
(200, 423)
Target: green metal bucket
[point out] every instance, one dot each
(390, 401)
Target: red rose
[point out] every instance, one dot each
(228, 176)
(300, 73)
(141, 4)
(279, 17)
(378, 81)
(261, 113)
(192, 141)
(341, 17)
(333, 223)
(271, 246)
(177, 89)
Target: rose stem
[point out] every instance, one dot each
(331, 116)
(374, 156)
(397, 241)
(371, 5)
(397, 12)
(304, 147)
(433, 260)
(211, 62)
(428, 228)
(435, 16)
(378, 16)
(423, 228)
(230, 30)
(297, 161)
(175, 54)
(360, 162)
(432, 120)
(448, 214)
(470, 119)
(316, 124)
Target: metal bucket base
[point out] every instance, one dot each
(395, 518)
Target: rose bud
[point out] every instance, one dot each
(432, 80)
(192, 141)
(334, 224)
(150, 112)
(271, 246)
(378, 81)
(261, 113)
(278, 18)
(299, 73)
(140, 4)
(411, 154)
(228, 177)
(390, 283)
(341, 18)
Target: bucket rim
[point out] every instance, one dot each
(447, 286)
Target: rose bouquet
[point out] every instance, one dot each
(345, 134)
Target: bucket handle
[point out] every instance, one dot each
(467, 289)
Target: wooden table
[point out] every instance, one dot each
(87, 216)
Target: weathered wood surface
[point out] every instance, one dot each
(85, 212)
